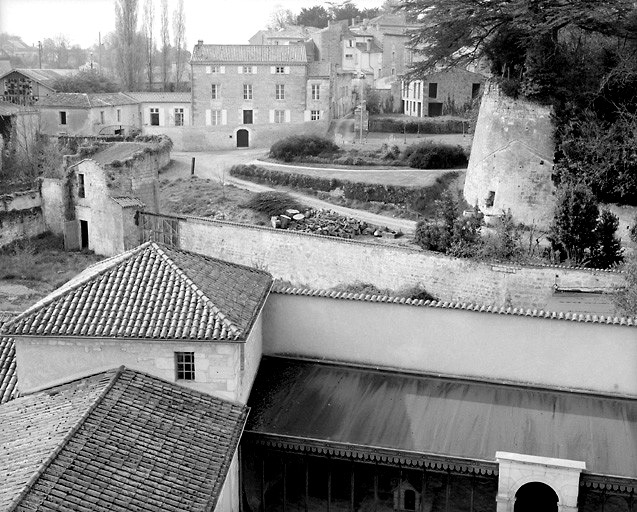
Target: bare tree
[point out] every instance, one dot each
(165, 43)
(126, 32)
(179, 34)
(149, 22)
(280, 18)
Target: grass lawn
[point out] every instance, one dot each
(32, 268)
(208, 198)
(403, 177)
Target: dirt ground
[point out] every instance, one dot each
(31, 269)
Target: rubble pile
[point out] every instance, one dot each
(322, 222)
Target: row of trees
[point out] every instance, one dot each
(135, 50)
(318, 15)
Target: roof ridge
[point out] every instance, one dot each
(72, 431)
(182, 273)
(283, 289)
(56, 294)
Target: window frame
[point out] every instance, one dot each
(432, 90)
(216, 117)
(316, 91)
(63, 118)
(178, 113)
(279, 116)
(185, 369)
(153, 112)
(315, 115)
(279, 91)
(215, 91)
(248, 92)
(81, 185)
(279, 70)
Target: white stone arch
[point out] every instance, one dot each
(516, 470)
(541, 479)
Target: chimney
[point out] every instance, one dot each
(200, 42)
(369, 45)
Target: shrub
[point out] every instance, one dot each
(302, 145)
(424, 126)
(428, 155)
(273, 203)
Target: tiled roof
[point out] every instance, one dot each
(44, 76)
(118, 151)
(117, 441)
(161, 97)
(128, 202)
(153, 292)
(83, 100)
(8, 369)
(550, 315)
(250, 54)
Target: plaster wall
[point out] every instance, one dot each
(251, 355)
(208, 138)
(512, 159)
(166, 114)
(48, 360)
(321, 262)
(88, 121)
(54, 197)
(526, 350)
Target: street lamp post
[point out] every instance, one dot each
(362, 84)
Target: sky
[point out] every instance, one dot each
(213, 21)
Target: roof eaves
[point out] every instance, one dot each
(479, 308)
(47, 462)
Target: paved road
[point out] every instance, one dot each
(215, 165)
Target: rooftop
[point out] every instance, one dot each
(8, 370)
(250, 54)
(118, 151)
(44, 76)
(161, 97)
(84, 100)
(119, 440)
(416, 418)
(152, 292)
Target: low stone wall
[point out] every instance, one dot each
(20, 200)
(19, 224)
(321, 262)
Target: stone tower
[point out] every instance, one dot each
(512, 160)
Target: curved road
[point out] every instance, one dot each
(215, 165)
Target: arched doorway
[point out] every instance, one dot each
(535, 496)
(243, 138)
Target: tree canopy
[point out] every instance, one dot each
(85, 81)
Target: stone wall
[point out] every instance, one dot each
(211, 138)
(54, 204)
(322, 262)
(19, 224)
(511, 159)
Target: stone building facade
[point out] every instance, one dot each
(247, 95)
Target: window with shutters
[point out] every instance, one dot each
(279, 70)
(248, 70)
(279, 116)
(280, 91)
(247, 91)
(215, 91)
(215, 117)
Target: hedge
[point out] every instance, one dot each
(425, 126)
(301, 145)
(416, 198)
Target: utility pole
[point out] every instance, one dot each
(99, 53)
(362, 87)
(40, 53)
